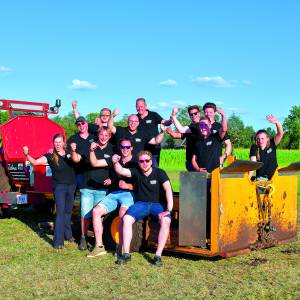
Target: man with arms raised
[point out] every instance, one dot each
(150, 183)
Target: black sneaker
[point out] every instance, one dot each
(82, 244)
(124, 259)
(156, 261)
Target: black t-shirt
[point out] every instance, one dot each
(207, 152)
(150, 124)
(116, 177)
(93, 128)
(63, 172)
(83, 148)
(190, 141)
(149, 188)
(215, 127)
(268, 157)
(94, 177)
(140, 138)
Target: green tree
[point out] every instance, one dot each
(67, 122)
(4, 116)
(236, 130)
(291, 127)
(183, 115)
(91, 117)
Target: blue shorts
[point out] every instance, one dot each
(111, 201)
(88, 200)
(142, 209)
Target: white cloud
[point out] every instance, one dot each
(152, 106)
(81, 85)
(215, 81)
(163, 104)
(5, 69)
(169, 82)
(218, 102)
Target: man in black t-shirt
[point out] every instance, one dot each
(191, 137)
(140, 138)
(148, 122)
(96, 179)
(210, 110)
(264, 150)
(154, 196)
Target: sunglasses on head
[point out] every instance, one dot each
(194, 114)
(125, 147)
(141, 161)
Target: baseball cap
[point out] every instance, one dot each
(80, 119)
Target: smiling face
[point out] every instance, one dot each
(210, 113)
(103, 137)
(145, 162)
(194, 115)
(141, 107)
(82, 127)
(126, 148)
(133, 123)
(104, 115)
(262, 140)
(205, 127)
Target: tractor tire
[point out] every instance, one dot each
(4, 180)
(109, 229)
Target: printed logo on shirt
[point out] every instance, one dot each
(214, 131)
(208, 143)
(68, 156)
(269, 150)
(91, 141)
(153, 181)
(106, 155)
(138, 140)
(148, 121)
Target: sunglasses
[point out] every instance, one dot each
(194, 114)
(203, 125)
(141, 161)
(125, 147)
(80, 123)
(104, 115)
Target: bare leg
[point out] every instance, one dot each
(127, 232)
(163, 234)
(98, 212)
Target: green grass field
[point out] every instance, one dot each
(31, 269)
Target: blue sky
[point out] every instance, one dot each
(243, 55)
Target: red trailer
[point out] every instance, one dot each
(29, 125)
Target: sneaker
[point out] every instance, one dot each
(82, 244)
(71, 240)
(156, 261)
(119, 250)
(123, 259)
(97, 251)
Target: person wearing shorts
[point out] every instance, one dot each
(121, 194)
(150, 183)
(96, 179)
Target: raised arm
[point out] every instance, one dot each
(75, 111)
(118, 168)
(39, 161)
(93, 159)
(277, 138)
(110, 122)
(223, 128)
(174, 135)
(180, 128)
(158, 139)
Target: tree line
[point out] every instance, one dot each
(241, 136)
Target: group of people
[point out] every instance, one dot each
(115, 166)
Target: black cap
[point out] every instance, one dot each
(80, 119)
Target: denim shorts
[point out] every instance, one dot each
(88, 200)
(142, 209)
(111, 201)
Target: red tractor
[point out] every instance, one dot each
(28, 124)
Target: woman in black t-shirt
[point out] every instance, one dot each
(264, 150)
(64, 184)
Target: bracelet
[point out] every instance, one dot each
(169, 210)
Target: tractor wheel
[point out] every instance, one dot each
(111, 232)
(4, 180)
